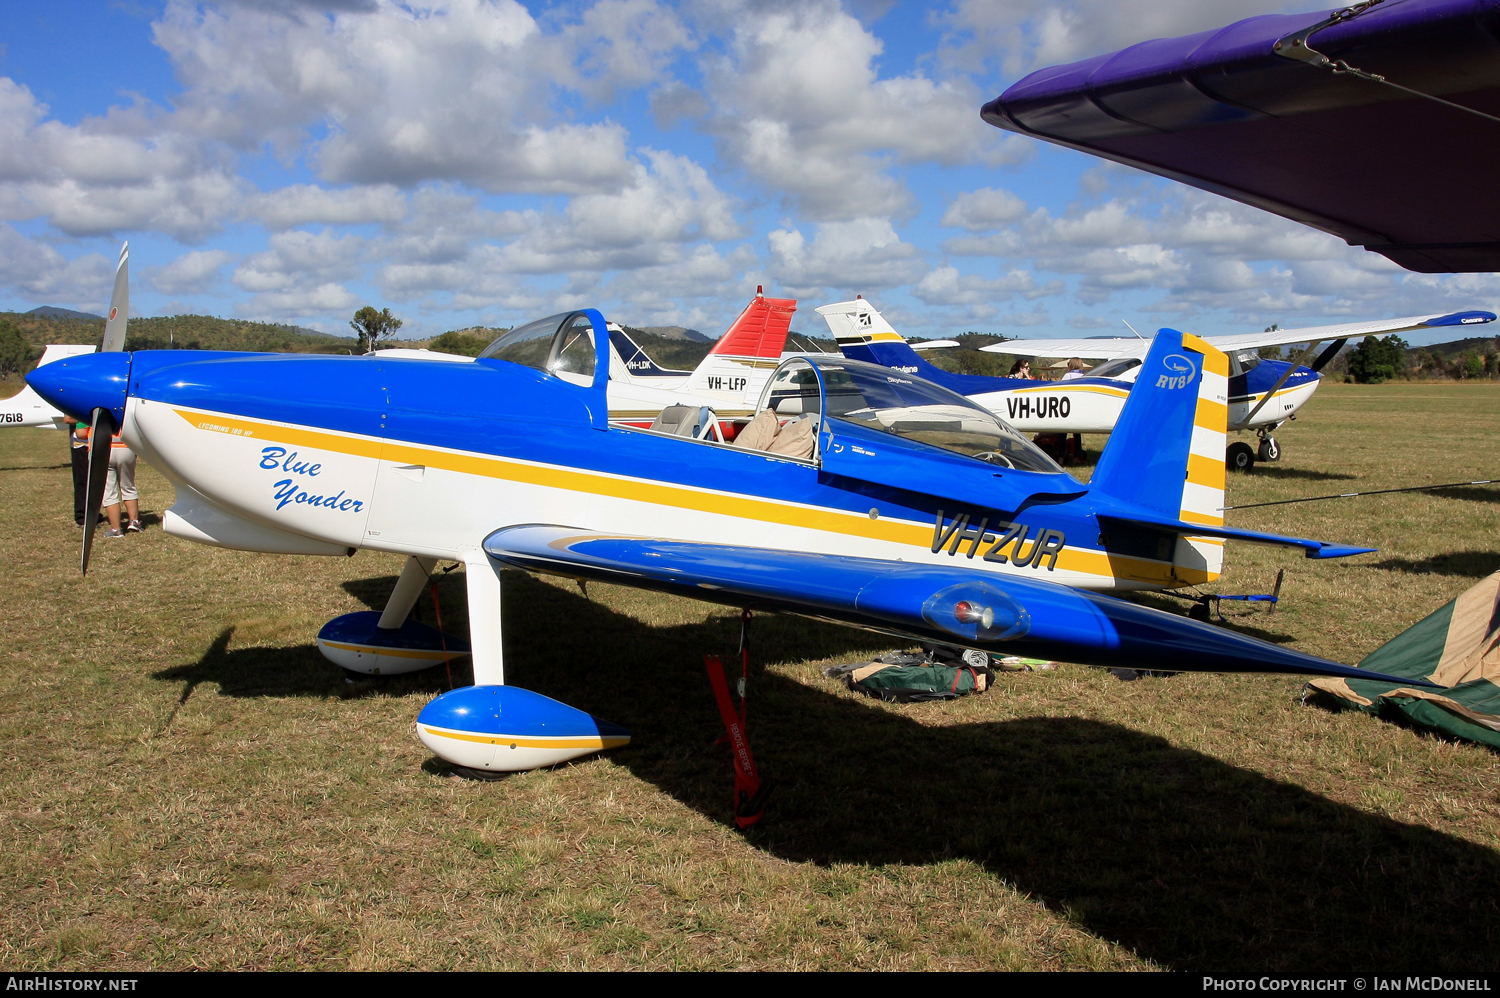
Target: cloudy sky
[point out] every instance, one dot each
(483, 161)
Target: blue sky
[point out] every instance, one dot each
(482, 161)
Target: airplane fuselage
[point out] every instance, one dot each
(1092, 405)
(330, 454)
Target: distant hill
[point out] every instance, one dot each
(676, 333)
(54, 312)
(184, 332)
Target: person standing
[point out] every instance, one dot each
(119, 486)
(1073, 453)
(1021, 369)
(78, 440)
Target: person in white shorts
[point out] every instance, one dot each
(119, 485)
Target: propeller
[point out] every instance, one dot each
(103, 427)
(103, 421)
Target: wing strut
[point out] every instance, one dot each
(1301, 359)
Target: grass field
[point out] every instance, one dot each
(185, 782)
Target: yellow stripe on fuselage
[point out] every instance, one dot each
(1084, 561)
(514, 741)
(1063, 386)
(436, 656)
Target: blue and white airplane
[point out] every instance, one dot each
(1263, 393)
(857, 494)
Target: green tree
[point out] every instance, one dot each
(372, 325)
(16, 354)
(1378, 360)
(1473, 366)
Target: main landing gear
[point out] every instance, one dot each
(1242, 457)
(483, 730)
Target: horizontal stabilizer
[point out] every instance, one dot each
(937, 602)
(1166, 524)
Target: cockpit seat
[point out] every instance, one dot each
(698, 422)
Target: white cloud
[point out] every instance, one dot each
(122, 171)
(301, 204)
(856, 256)
(800, 105)
(191, 273)
(37, 272)
(946, 286)
(452, 91)
(320, 300)
(1024, 34)
(984, 210)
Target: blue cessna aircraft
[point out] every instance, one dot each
(857, 494)
(1263, 393)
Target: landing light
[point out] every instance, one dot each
(973, 613)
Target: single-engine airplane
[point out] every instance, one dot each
(1263, 394)
(26, 407)
(857, 494)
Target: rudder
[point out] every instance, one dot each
(1166, 453)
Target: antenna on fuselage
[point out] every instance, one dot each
(1132, 329)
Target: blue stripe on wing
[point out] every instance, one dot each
(957, 605)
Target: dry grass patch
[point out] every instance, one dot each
(187, 783)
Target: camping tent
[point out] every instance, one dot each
(1457, 647)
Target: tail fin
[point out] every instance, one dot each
(749, 351)
(1166, 453)
(760, 331)
(863, 334)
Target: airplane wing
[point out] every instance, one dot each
(1374, 122)
(935, 602)
(1347, 330)
(1102, 348)
(1111, 347)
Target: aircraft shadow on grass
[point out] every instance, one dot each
(1476, 493)
(1470, 564)
(1304, 474)
(36, 467)
(1176, 855)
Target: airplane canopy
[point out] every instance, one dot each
(1402, 175)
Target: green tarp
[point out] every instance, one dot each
(1457, 647)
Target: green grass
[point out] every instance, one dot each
(185, 782)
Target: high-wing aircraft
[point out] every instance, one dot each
(1262, 393)
(26, 408)
(857, 494)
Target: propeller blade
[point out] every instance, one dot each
(100, 442)
(119, 305)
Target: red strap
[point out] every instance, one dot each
(749, 802)
(438, 613)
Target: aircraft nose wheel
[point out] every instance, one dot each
(1270, 450)
(1239, 457)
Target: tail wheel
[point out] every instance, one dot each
(1239, 457)
(1270, 450)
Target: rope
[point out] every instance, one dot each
(1373, 492)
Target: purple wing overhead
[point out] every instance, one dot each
(1406, 177)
